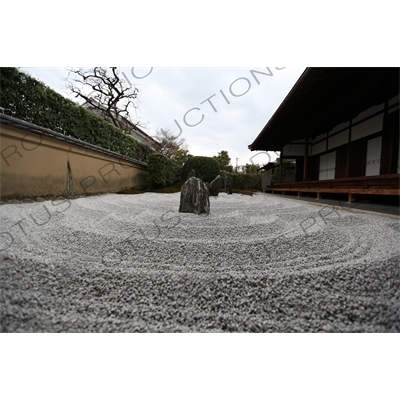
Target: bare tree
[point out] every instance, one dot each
(105, 93)
(169, 142)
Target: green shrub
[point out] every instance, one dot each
(206, 167)
(28, 99)
(241, 181)
(163, 171)
(287, 165)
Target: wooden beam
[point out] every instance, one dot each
(348, 151)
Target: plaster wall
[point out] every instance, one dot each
(33, 165)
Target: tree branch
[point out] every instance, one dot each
(108, 94)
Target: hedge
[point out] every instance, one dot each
(30, 100)
(163, 171)
(241, 181)
(206, 167)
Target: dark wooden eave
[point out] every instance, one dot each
(323, 98)
(267, 167)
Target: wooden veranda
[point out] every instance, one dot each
(388, 185)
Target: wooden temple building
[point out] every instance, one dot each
(341, 126)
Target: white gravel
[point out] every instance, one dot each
(132, 263)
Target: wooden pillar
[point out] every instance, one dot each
(280, 165)
(305, 171)
(348, 153)
(390, 143)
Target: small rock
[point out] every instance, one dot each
(14, 201)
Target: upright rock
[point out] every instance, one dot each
(194, 197)
(215, 185)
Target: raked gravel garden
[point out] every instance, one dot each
(133, 263)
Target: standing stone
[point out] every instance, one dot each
(194, 197)
(215, 185)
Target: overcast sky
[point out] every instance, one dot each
(214, 109)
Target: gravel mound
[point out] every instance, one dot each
(132, 263)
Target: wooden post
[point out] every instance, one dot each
(305, 171)
(280, 165)
(348, 154)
